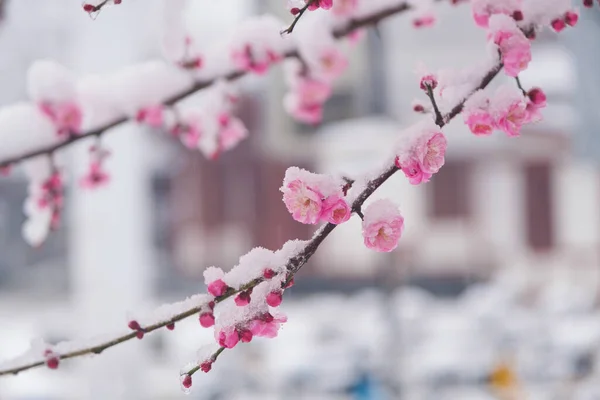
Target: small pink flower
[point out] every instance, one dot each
(313, 91)
(95, 178)
(246, 58)
(151, 115)
(266, 325)
(231, 133)
(412, 170)
(207, 319)
(304, 203)
(335, 210)
(429, 80)
(305, 103)
(480, 122)
(424, 21)
(228, 337)
(332, 63)
(433, 153)
(482, 20)
(344, 8)
(217, 288)
(245, 335)
(512, 118)
(324, 4)
(516, 55)
(67, 117)
(382, 226)
(274, 299)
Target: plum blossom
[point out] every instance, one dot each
(305, 101)
(231, 131)
(335, 210)
(324, 4)
(477, 116)
(421, 153)
(382, 226)
(344, 8)
(509, 109)
(303, 202)
(514, 46)
(96, 175)
(227, 337)
(66, 116)
(331, 63)
(267, 325)
(151, 115)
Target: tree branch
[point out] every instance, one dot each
(338, 33)
(293, 265)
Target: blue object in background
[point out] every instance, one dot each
(365, 388)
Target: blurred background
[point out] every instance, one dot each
(492, 293)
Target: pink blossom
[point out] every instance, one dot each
(304, 203)
(537, 97)
(152, 116)
(189, 133)
(344, 8)
(516, 54)
(480, 122)
(228, 337)
(482, 20)
(382, 226)
(245, 335)
(424, 21)
(67, 117)
(332, 63)
(512, 118)
(412, 170)
(246, 58)
(324, 4)
(95, 178)
(231, 133)
(243, 298)
(266, 325)
(356, 35)
(274, 298)
(305, 103)
(217, 288)
(335, 210)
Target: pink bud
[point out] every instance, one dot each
(171, 326)
(418, 108)
(428, 81)
(89, 8)
(52, 362)
(588, 3)
(571, 18)
(211, 305)
(134, 325)
(518, 15)
(267, 317)
(295, 10)
(206, 366)
(289, 284)
(558, 25)
(268, 273)
(274, 299)
(117, 2)
(537, 96)
(217, 288)
(187, 381)
(207, 320)
(139, 334)
(242, 299)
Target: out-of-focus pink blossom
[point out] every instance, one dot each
(67, 117)
(344, 8)
(96, 176)
(324, 4)
(332, 63)
(266, 325)
(152, 116)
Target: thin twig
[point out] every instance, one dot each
(299, 15)
(518, 80)
(438, 115)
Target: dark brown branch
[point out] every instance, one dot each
(439, 119)
(297, 17)
(520, 86)
(200, 85)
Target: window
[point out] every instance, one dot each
(450, 191)
(538, 205)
